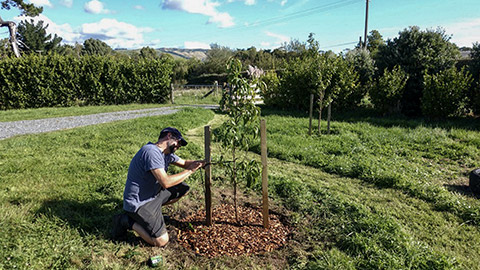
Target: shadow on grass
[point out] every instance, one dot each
(463, 189)
(92, 217)
(376, 119)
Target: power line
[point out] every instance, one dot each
(291, 16)
(338, 45)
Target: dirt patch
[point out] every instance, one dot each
(227, 237)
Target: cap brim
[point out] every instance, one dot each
(183, 142)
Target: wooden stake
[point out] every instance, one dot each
(263, 142)
(329, 114)
(320, 114)
(208, 178)
(171, 93)
(310, 115)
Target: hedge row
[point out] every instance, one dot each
(54, 80)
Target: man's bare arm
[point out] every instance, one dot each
(167, 181)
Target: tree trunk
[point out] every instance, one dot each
(12, 28)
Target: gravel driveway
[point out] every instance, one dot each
(10, 129)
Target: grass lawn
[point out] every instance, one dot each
(378, 193)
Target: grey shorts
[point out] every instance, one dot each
(150, 216)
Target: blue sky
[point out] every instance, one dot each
(264, 24)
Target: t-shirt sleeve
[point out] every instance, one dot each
(174, 158)
(153, 160)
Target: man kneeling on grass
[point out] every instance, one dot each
(149, 187)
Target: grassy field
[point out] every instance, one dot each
(196, 96)
(377, 193)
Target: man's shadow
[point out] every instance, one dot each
(91, 217)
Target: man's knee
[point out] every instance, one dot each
(162, 240)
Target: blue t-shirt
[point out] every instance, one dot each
(141, 186)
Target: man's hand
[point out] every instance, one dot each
(197, 164)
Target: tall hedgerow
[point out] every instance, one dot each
(43, 81)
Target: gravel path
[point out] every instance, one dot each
(10, 129)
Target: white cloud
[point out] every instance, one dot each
(67, 3)
(283, 3)
(280, 38)
(116, 34)
(41, 3)
(196, 45)
(465, 32)
(265, 44)
(250, 2)
(95, 7)
(204, 7)
(139, 7)
(64, 31)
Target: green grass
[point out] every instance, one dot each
(372, 195)
(59, 190)
(196, 96)
(32, 114)
(420, 160)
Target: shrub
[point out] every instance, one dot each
(388, 89)
(445, 93)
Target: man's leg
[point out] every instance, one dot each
(177, 192)
(159, 241)
(149, 222)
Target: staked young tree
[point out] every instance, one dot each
(27, 9)
(33, 37)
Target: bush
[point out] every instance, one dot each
(45, 81)
(388, 89)
(445, 93)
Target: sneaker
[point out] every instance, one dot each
(120, 225)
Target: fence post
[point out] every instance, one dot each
(216, 88)
(310, 116)
(329, 116)
(208, 177)
(171, 93)
(263, 142)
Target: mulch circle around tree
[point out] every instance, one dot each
(227, 237)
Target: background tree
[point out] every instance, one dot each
(474, 93)
(93, 46)
(33, 37)
(417, 52)
(387, 90)
(217, 59)
(374, 41)
(70, 50)
(445, 93)
(27, 10)
(5, 50)
(148, 53)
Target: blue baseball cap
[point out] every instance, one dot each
(175, 134)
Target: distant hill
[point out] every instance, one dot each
(175, 52)
(185, 53)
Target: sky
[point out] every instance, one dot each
(241, 24)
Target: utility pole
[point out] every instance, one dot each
(366, 27)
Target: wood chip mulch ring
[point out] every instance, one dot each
(226, 237)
